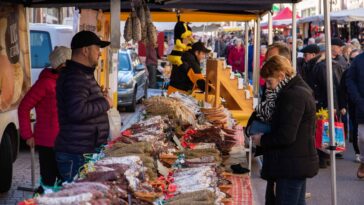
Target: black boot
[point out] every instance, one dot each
(328, 162)
(322, 163)
(238, 169)
(39, 191)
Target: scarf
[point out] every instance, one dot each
(266, 108)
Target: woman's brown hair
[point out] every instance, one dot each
(277, 64)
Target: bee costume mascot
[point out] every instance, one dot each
(182, 39)
(186, 71)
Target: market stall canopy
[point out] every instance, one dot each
(313, 19)
(206, 11)
(218, 6)
(196, 27)
(192, 4)
(164, 10)
(284, 14)
(342, 16)
(281, 20)
(195, 16)
(348, 15)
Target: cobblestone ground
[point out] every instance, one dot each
(22, 167)
(21, 177)
(349, 187)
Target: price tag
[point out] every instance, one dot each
(178, 143)
(162, 169)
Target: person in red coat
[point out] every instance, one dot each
(236, 57)
(42, 97)
(263, 51)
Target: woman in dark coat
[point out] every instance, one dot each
(289, 154)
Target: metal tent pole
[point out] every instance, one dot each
(294, 36)
(270, 28)
(330, 101)
(115, 34)
(255, 42)
(246, 65)
(256, 71)
(250, 155)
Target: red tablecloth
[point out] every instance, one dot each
(239, 136)
(241, 191)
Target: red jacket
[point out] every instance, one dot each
(236, 59)
(42, 97)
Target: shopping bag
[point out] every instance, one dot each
(114, 123)
(322, 136)
(257, 127)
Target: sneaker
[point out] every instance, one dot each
(339, 156)
(357, 158)
(360, 172)
(308, 195)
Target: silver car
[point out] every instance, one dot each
(132, 80)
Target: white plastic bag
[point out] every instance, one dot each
(114, 122)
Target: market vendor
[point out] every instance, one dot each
(186, 77)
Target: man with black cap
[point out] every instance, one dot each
(311, 54)
(187, 76)
(82, 106)
(336, 53)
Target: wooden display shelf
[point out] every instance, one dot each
(224, 87)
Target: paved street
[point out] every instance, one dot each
(350, 188)
(21, 177)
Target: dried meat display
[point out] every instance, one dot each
(171, 107)
(224, 139)
(139, 25)
(175, 156)
(83, 193)
(203, 197)
(187, 100)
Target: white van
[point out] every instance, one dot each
(43, 39)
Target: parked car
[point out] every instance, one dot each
(132, 80)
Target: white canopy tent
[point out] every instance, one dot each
(348, 15)
(343, 16)
(314, 19)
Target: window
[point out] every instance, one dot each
(135, 59)
(124, 64)
(40, 48)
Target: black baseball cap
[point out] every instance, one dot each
(312, 48)
(199, 46)
(337, 42)
(87, 38)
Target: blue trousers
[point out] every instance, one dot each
(290, 191)
(286, 192)
(69, 165)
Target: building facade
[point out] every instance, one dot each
(315, 7)
(51, 15)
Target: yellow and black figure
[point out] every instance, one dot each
(182, 37)
(186, 77)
